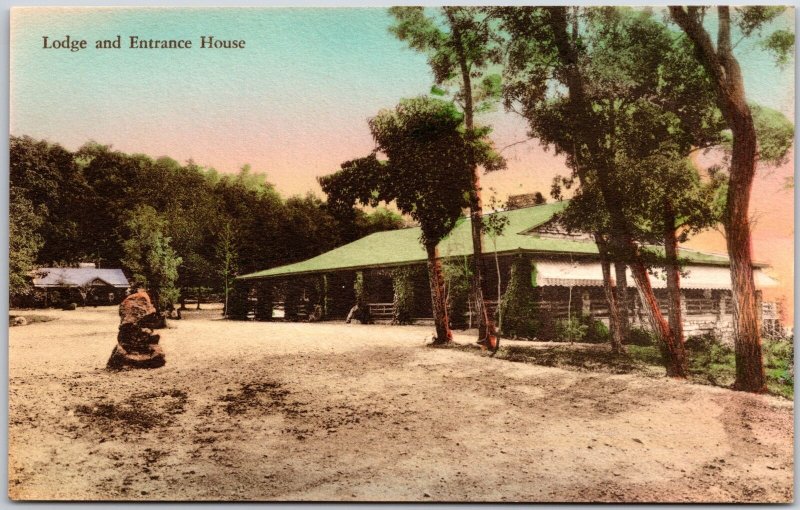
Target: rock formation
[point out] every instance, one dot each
(137, 345)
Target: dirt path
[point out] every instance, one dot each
(279, 411)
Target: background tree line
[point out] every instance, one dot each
(173, 228)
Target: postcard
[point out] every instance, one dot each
(402, 254)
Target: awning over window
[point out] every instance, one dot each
(590, 274)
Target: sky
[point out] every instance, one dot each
(294, 103)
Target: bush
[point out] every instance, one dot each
(570, 330)
(585, 329)
(238, 304)
(710, 361)
(457, 280)
(640, 337)
(70, 306)
(518, 309)
(779, 363)
(403, 285)
(597, 332)
(701, 343)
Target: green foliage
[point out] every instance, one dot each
(753, 19)
(520, 313)
(379, 220)
(426, 174)
(570, 330)
(647, 354)
(450, 36)
(47, 175)
(775, 134)
(779, 365)
(360, 289)
(238, 305)
(23, 242)
(714, 363)
(403, 286)
(428, 167)
(494, 225)
(84, 199)
(225, 251)
(640, 337)
(780, 43)
(597, 332)
(638, 103)
(149, 256)
(457, 282)
(710, 361)
(584, 328)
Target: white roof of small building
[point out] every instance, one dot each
(590, 274)
(78, 277)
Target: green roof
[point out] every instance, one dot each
(402, 247)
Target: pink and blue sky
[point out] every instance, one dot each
(294, 103)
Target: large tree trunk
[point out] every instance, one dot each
(621, 242)
(436, 281)
(499, 288)
(728, 82)
(608, 288)
(673, 274)
(486, 329)
(672, 351)
(621, 291)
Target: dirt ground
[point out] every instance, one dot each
(322, 412)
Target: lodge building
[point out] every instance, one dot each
(567, 277)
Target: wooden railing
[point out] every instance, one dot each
(381, 310)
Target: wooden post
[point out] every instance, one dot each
(325, 296)
(586, 302)
(263, 301)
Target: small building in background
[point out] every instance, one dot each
(84, 285)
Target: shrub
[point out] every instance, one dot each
(457, 280)
(779, 361)
(570, 330)
(701, 343)
(585, 329)
(403, 284)
(640, 337)
(597, 332)
(238, 304)
(518, 308)
(70, 306)
(710, 360)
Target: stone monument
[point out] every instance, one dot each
(137, 345)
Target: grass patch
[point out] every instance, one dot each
(709, 361)
(584, 358)
(779, 366)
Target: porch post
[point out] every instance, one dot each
(263, 301)
(325, 296)
(291, 300)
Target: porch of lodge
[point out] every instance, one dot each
(566, 279)
(561, 290)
